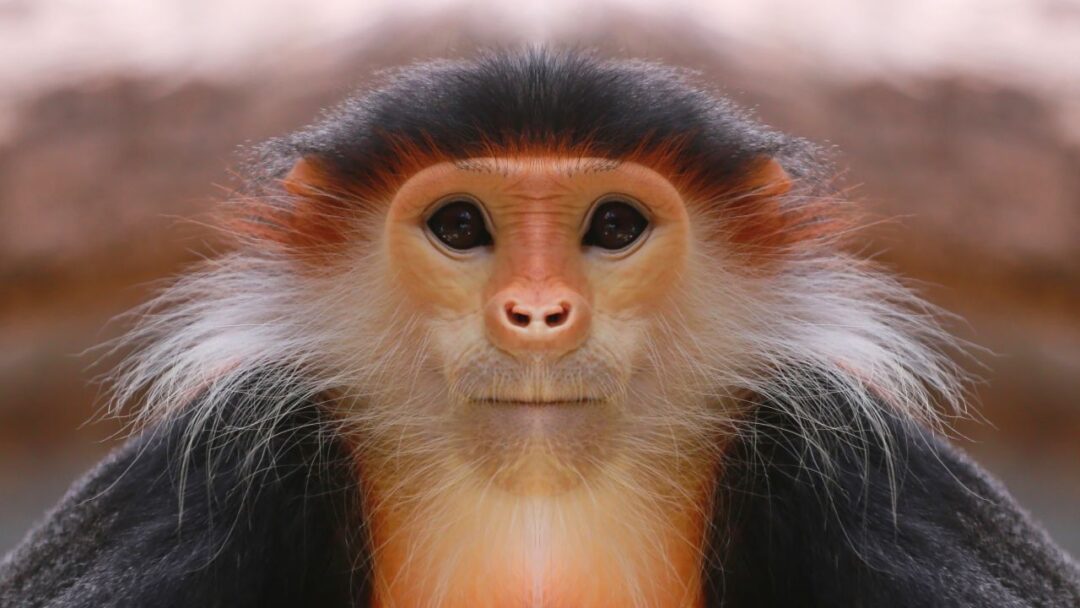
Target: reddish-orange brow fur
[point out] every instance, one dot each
(749, 210)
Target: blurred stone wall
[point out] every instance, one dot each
(107, 182)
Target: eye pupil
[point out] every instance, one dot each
(614, 225)
(460, 225)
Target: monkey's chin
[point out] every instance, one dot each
(538, 448)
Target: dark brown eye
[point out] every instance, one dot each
(614, 225)
(460, 225)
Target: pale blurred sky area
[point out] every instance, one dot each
(45, 41)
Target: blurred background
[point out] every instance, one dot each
(957, 122)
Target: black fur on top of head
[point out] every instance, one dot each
(534, 97)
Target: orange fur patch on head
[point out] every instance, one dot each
(315, 217)
(761, 214)
(321, 210)
(752, 209)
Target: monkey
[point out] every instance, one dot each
(539, 328)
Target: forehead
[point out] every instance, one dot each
(527, 182)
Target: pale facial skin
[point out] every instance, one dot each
(540, 334)
(549, 305)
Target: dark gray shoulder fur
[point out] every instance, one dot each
(282, 530)
(856, 524)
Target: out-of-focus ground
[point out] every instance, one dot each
(957, 122)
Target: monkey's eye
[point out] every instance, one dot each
(460, 224)
(614, 225)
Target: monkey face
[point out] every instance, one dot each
(537, 280)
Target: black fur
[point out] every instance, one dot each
(280, 530)
(917, 524)
(533, 97)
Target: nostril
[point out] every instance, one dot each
(523, 316)
(559, 317)
(517, 317)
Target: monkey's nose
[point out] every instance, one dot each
(524, 315)
(554, 321)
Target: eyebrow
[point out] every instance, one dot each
(582, 165)
(475, 165)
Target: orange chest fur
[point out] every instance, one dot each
(578, 551)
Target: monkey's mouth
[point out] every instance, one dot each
(501, 402)
(509, 420)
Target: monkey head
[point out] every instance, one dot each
(529, 267)
(541, 304)
(540, 265)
